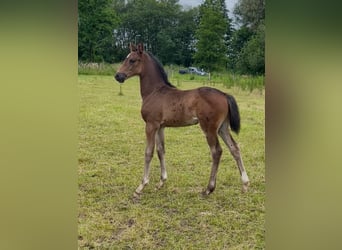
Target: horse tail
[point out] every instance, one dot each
(233, 114)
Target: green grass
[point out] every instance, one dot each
(111, 156)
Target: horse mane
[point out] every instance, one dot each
(161, 70)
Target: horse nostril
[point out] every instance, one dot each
(120, 77)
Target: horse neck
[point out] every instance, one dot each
(150, 78)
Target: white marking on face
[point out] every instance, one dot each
(244, 177)
(128, 55)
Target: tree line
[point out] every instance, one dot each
(204, 36)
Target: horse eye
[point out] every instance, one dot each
(131, 61)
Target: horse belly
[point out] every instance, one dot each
(179, 109)
(179, 121)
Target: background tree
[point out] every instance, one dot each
(184, 36)
(166, 30)
(202, 36)
(96, 21)
(252, 56)
(211, 49)
(250, 13)
(248, 43)
(237, 42)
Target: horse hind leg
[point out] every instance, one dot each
(235, 151)
(161, 155)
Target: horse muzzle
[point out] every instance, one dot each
(120, 77)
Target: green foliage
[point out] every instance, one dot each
(96, 22)
(111, 155)
(211, 48)
(166, 30)
(244, 82)
(184, 35)
(250, 13)
(252, 56)
(201, 36)
(238, 41)
(248, 43)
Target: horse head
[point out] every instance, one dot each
(132, 65)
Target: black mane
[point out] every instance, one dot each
(161, 70)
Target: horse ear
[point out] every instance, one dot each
(132, 47)
(140, 48)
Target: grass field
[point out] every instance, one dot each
(111, 156)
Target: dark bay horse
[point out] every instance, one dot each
(163, 105)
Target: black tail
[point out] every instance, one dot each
(233, 115)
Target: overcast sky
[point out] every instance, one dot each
(229, 3)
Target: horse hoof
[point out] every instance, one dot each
(136, 195)
(136, 198)
(206, 192)
(159, 185)
(245, 187)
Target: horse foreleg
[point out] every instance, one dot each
(150, 140)
(161, 154)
